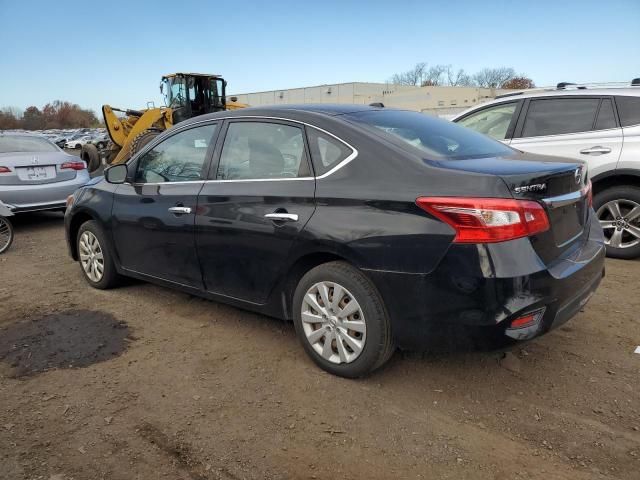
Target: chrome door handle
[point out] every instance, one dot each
(180, 210)
(595, 150)
(287, 217)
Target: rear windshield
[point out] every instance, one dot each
(436, 138)
(22, 143)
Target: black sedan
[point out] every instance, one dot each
(368, 227)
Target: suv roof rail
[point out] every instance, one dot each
(585, 86)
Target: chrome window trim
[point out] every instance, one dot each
(343, 163)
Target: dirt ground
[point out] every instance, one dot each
(143, 382)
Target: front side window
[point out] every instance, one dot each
(493, 121)
(629, 110)
(326, 151)
(436, 138)
(557, 116)
(260, 150)
(179, 158)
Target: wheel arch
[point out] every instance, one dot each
(296, 271)
(77, 221)
(615, 178)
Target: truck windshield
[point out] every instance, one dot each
(437, 139)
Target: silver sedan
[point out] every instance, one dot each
(35, 174)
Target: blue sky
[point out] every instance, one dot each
(89, 53)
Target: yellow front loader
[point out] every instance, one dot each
(186, 95)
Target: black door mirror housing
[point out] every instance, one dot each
(116, 174)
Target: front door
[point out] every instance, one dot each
(154, 215)
(259, 199)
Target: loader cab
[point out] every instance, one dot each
(190, 95)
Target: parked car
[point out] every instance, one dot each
(78, 142)
(35, 174)
(365, 226)
(600, 125)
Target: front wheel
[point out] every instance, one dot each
(341, 321)
(618, 210)
(95, 258)
(6, 234)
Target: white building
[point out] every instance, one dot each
(437, 100)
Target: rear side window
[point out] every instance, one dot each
(435, 138)
(629, 110)
(326, 151)
(493, 121)
(261, 150)
(559, 116)
(606, 117)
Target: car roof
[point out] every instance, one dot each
(552, 92)
(294, 111)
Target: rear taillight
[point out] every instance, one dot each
(72, 166)
(4, 170)
(487, 220)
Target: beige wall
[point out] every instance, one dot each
(438, 100)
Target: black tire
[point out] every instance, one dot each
(110, 277)
(626, 196)
(91, 156)
(77, 146)
(142, 139)
(6, 234)
(378, 342)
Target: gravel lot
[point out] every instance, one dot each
(144, 382)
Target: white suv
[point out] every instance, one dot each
(601, 125)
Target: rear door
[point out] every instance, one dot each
(260, 196)
(581, 127)
(154, 215)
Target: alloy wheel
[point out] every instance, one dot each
(6, 234)
(333, 322)
(620, 220)
(91, 256)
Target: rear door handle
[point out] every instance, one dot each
(286, 217)
(595, 150)
(180, 210)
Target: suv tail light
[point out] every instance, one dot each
(4, 169)
(73, 166)
(487, 220)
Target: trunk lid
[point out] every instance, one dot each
(558, 184)
(35, 168)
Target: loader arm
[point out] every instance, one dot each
(123, 130)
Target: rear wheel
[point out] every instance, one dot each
(618, 210)
(6, 234)
(341, 321)
(95, 259)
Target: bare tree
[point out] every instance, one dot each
(434, 76)
(415, 76)
(493, 77)
(458, 78)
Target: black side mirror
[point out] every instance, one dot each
(116, 173)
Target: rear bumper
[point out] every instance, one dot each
(490, 286)
(48, 196)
